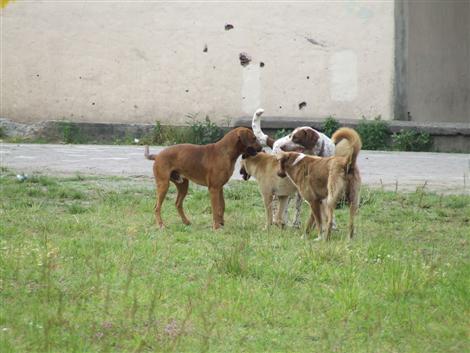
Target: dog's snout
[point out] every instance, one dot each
(281, 174)
(244, 173)
(253, 150)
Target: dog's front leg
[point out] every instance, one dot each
(280, 212)
(268, 204)
(298, 208)
(217, 213)
(222, 205)
(316, 213)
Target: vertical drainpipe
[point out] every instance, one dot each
(400, 97)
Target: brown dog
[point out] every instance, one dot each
(209, 165)
(319, 178)
(264, 168)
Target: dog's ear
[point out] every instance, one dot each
(280, 155)
(248, 139)
(243, 137)
(282, 158)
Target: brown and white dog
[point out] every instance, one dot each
(209, 165)
(303, 139)
(264, 167)
(319, 178)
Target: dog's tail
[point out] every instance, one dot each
(147, 155)
(256, 126)
(348, 144)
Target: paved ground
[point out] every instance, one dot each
(442, 172)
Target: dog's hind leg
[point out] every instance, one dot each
(162, 188)
(353, 198)
(336, 187)
(182, 187)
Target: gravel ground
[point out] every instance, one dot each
(439, 172)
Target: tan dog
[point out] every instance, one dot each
(209, 165)
(264, 168)
(329, 178)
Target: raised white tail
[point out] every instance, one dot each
(256, 126)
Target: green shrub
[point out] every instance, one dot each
(203, 132)
(70, 132)
(157, 135)
(166, 135)
(2, 132)
(281, 133)
(412, 140)
(374, 134)
(330, 126)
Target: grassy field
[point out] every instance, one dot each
(84, 269)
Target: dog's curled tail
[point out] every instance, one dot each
(348, 144)
(147, 155)
(256, 126)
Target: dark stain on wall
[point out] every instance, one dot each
(245, 59)
(314, 42)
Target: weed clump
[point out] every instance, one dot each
(70, 133)
(197, 132)
(412, 140)
(330, 126)
(204, 132)
(374, 134)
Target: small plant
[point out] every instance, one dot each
(330, 126)
(374, 134)
(203, 132)
(412, 140)
(157, 136)
(70, 132)
(281, 133)
(2, 132)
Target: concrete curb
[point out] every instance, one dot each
(447, 137)
(281, 122)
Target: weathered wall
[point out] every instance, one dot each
(138, 62)
(438, 61)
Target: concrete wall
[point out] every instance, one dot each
(438, 61)
(142, 61)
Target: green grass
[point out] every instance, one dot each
(84, 269)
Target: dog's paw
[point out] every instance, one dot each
(217, 226)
